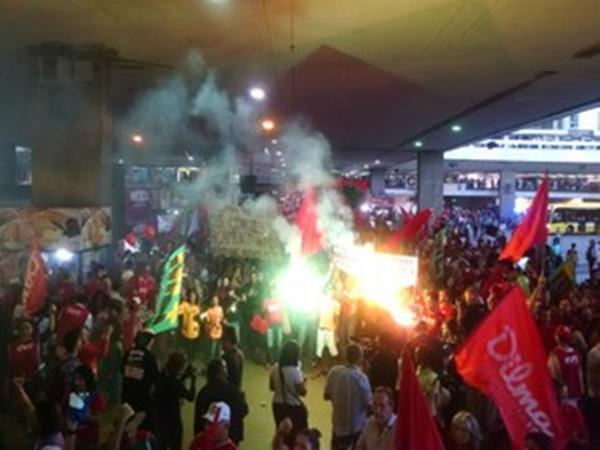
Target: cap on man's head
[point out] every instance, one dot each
(564, 333)
(218, 410)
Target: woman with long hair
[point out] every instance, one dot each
(287, 383)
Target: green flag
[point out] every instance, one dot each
(167, 308)
(562, 280)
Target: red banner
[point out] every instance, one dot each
(533, 229)
(416, 429)
(35, 289)
(410, 229)
(307, 222)
(505, 359)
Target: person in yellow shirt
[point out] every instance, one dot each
(214, 326)
(189, 310)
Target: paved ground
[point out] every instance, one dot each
(259, 422)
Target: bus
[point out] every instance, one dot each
(575, 217)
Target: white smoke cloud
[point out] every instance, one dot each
(225, 134)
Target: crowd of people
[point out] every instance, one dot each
(491, 181)
(85, 372)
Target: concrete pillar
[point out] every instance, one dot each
(507, 193)
(430, 180)
(70, 127)
(377, 181)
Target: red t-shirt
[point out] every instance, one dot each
(24, 358)
(570, 369)
(573, 421)
(199, 444)
(274, 310)
(92, 287)
(145, 288)
(70, 317)
(91, 352)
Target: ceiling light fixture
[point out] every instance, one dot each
(257, 93)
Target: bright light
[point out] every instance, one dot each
(383, 280)
(257, 93)
(418, 144)
(278, 153)
(366, 166)
(137, 138)
(63, 255)
(377, 162)
(274, 141)
(267, 125)
(300, 286)
(365, 207)
(521, 205)
(456, 128)
(120, 161)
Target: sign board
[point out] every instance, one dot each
(401, 270)
(234, 232)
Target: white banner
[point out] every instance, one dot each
(401, 270)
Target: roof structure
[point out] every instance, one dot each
(374, 75)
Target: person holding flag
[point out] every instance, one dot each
(35, 290)
(533, 230)
(166, 316)
(504, 358)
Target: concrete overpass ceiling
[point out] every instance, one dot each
(374, 76)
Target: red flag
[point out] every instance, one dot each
(35, 290)
(406, 216)
(410, 230)
(416, 429)
(306, 220)
(533, 229)
(504, 358)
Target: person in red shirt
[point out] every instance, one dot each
(144, 287)
(72, 316)
(565, 365)
(94, 287)
(574, 423)
(92, 351)
(24, 353)
(216, 434)
(66, 289)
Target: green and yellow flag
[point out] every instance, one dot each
(562, 280)
(167, 307)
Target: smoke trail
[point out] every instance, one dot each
(190, 108)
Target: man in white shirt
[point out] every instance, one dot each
(380, 431)
(349, 391)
